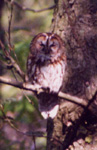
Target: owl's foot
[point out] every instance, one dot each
(46, 90)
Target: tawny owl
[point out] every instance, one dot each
(46, 68)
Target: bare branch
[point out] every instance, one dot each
(30, 87)
(10, 46)
(17, 68)
(16, 84)
(73, 99)
(13, 63)
(11, 122)
(29, 9)
(9, 27)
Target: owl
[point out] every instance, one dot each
(46, 66)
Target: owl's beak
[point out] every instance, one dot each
(47, 51)
(42, 58)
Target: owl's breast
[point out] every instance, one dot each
(51, 76)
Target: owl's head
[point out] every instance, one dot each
(47, 46)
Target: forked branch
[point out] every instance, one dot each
(12, 62)
(29, 9)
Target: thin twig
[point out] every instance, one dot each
(11, 47)
(13, 63)
(33, 10)
(34, 142)
(29, 9)
(17, 68)
(29, 100)
(9, 27)
(11, 122)
(13, 73)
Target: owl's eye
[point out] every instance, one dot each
(52, 45)
(41, 44)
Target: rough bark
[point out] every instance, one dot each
(76, 22)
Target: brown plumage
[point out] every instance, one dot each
(46, 68)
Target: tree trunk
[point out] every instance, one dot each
(76, 22)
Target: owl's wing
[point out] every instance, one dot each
(31, 67)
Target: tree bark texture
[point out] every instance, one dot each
(76, 22)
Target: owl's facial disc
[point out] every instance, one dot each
(41, 42)
(47, 48)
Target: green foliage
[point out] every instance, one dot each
(22, 49)
(23, 109)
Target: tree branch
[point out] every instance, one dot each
(9, 26)
(29, 9)
(30, 87)
(72, 99)
(12, 63)
(20, 85)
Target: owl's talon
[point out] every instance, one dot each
(46, 90)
